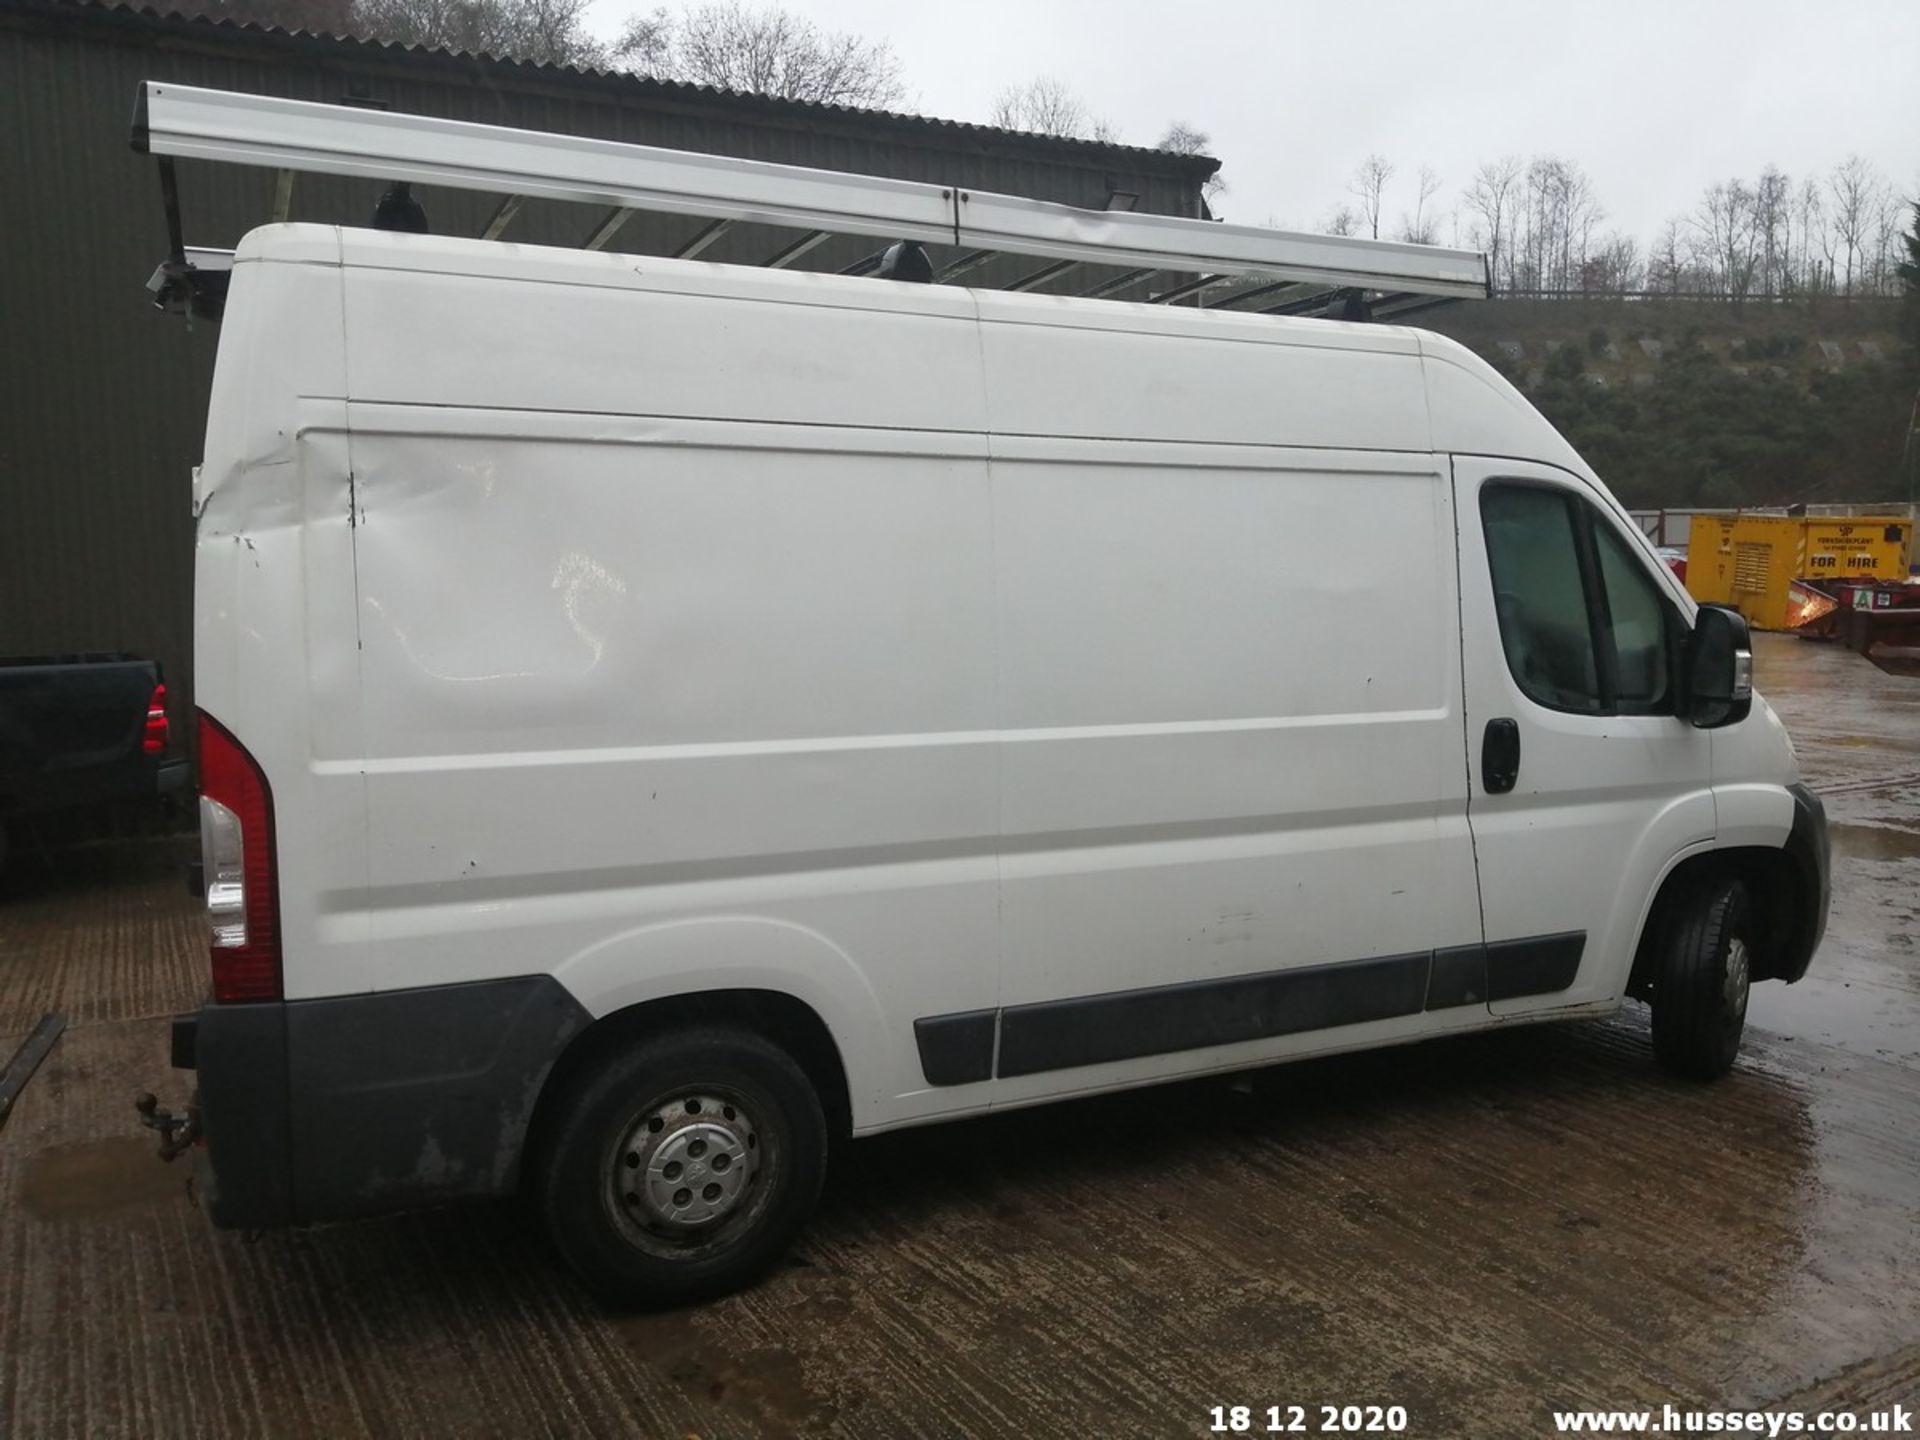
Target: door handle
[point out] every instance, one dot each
(1500, 756)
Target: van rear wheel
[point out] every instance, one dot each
(1700, 992)
(683, 1168)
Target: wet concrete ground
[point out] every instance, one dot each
(1481, 1230)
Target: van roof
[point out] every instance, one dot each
(1472, 408)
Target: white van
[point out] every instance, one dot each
(660, 719)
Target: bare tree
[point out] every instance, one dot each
(1613, 267)
(1422, 227)
(550, 31)
(646, 45)
(1344, 220)
(1539, 223)
(1489, 199)
(1726, 236)
(1809, 213)
(769, 51)
(1554, 222)
(1044, 106)
(1883, 271)
(1667, 261)
(1369, 183)
(1184, 139)
(1855, 188)
(1772, 221)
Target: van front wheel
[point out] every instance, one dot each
(1700, 992)
(683, 1168)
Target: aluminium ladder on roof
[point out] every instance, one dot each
(297, 135)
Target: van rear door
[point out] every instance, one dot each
(1585, 782)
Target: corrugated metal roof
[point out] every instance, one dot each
(211, 28)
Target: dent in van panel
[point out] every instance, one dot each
(331, 626)
(554, 595)
(281, 354)
(273, 605)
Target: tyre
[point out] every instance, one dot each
(682, 1168)
(1700, 989)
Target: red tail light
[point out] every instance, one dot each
(153, 740)
(242, 880)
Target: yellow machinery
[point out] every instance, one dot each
(1752, 562)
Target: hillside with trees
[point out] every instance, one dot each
(1762, 349)
(1683, 403)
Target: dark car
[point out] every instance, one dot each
(82, 730)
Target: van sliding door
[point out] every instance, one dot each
(1233, 814)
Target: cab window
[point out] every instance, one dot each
(1585, 628)
(1639, 621)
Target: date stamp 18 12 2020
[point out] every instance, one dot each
(1308, 1419)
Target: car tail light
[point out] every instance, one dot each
(153, 740)
(236, 848)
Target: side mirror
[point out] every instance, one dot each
(1719, 669)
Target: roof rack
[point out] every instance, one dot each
(1312, 271)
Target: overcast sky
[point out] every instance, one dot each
(1655, 98)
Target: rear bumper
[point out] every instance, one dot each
(358, 1105)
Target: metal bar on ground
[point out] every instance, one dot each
(785, 257)
(192, 123)
(27, 1059)
(503, 216)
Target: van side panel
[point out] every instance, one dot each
(1233, 750)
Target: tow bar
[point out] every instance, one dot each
(27, 1059)
(177, 1132)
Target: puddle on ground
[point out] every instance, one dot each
(765, 1384)
(1875, 842)
(98, 1177)
(1902, 661)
